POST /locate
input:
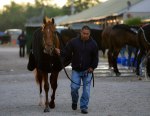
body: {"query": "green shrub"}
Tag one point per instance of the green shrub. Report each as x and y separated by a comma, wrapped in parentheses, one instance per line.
(133, 21)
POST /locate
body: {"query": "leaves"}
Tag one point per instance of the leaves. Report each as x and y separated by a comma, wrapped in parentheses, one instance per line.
(16, 15)
(133, 21)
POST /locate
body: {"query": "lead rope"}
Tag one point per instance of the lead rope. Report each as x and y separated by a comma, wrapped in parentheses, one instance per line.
(71, 79)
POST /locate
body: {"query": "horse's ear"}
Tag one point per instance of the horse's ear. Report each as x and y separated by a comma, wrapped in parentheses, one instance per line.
(44, 20)
(53, 21)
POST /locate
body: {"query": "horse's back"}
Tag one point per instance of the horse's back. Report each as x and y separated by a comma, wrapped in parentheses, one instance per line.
(123, 28)
(122, 35)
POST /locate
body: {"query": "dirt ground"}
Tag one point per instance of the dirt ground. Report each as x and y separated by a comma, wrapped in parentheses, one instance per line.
(111, 96)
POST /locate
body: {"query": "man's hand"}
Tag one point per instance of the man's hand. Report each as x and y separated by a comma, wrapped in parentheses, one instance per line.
(90, 70)
(57, 51)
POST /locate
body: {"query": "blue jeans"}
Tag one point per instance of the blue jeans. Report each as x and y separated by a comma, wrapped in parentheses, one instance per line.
(86, 80)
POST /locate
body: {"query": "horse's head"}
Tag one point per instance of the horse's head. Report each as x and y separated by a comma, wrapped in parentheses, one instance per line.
(50, 39)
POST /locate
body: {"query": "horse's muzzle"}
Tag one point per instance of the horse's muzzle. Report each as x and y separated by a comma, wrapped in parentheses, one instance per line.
(49, 50)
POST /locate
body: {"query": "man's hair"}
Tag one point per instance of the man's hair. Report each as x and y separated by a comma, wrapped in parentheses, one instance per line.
(86, 27)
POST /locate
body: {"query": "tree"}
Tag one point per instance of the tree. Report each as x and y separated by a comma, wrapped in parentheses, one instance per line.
(80, 5)
(133, 21)
(12, 17)
(16, 15)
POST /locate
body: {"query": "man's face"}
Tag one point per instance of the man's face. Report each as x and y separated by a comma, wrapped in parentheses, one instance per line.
(85, 34)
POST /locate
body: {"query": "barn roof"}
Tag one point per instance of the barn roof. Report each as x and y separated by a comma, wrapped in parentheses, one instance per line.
(143, 6)
(102, 10)
(38, 21)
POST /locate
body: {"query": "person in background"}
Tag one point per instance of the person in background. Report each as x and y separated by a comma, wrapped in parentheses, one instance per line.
(22, 43)
(122, 52)
(131, 50)
(145, 63)
(84, 53)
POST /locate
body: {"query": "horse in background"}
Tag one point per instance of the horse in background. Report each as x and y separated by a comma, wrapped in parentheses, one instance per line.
(43, 59)
(68, 34)
(144, 43)
(131, 50)
(116, 37)
(96, 35)
(105, 43)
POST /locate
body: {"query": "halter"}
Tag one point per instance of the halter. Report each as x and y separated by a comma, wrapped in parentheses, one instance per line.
(53, 46)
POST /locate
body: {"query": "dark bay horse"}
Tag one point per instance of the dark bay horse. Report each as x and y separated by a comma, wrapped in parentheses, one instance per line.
(44, 60)
(116, 37)
(144, 43)
(68, 34)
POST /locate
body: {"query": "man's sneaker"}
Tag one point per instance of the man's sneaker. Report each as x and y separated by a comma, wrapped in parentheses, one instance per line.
(74, 106)
(84, 111)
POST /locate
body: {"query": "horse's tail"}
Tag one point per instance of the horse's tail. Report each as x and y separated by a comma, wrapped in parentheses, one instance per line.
(38, 78)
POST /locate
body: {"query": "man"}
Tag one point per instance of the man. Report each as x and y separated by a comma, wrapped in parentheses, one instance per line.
(84, 53)
(22, 42)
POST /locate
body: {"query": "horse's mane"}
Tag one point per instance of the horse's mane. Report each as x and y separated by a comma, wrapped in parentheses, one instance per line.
(62, 43)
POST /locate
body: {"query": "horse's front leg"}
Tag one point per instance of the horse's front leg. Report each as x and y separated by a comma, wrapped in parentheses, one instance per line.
(46, 88)
(115, 56)
(53, 82)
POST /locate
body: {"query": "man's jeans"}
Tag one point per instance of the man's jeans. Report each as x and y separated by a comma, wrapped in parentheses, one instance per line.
(86, 82)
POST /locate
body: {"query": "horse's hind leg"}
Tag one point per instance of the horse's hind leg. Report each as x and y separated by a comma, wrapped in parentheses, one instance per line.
(53, 82)
(115, 56)
(110, 63)
(46, 88)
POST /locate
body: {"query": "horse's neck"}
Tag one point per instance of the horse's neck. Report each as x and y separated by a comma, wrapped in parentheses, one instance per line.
(57, 42)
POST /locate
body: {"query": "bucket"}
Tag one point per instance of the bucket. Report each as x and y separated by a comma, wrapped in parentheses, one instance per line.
(124, 61)
(119, 60)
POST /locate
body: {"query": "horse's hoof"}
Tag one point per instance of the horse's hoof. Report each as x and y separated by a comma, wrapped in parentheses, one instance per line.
(46, 110)
(118, 74)
(52, 105)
